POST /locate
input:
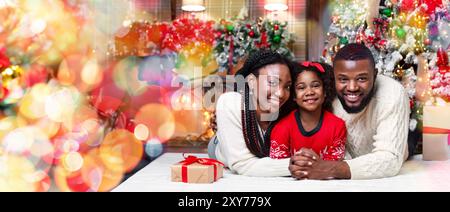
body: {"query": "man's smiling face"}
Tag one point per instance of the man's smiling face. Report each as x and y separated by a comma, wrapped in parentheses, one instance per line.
(354, 83)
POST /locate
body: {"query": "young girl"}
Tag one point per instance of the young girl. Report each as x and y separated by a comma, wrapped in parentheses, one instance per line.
(311, 126)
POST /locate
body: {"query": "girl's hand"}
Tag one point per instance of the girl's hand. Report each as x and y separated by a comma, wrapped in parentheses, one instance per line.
(309, 153)
(302, 162)
(306, 164)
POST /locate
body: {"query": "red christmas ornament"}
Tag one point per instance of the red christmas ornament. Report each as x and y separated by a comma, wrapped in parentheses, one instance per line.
(411, 104)
(442, 61)
(218, 34)
(4, 60)
(251, 34)
(442, 57)
(3, 93)
(432, 5)
(36, 74)
(381, 44)
(276, 27)
(444, 69)
(131, 125)
(408, 5)
(324, 53)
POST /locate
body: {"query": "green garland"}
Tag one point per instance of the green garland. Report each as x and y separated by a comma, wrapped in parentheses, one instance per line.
(279, 37)
(236, 39)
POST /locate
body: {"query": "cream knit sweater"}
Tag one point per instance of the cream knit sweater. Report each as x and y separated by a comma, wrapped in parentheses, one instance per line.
(377, 137)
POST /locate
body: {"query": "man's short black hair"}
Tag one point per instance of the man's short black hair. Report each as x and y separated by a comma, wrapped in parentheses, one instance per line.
(355, 52)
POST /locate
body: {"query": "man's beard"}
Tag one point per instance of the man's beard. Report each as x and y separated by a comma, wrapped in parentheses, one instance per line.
(361, 107)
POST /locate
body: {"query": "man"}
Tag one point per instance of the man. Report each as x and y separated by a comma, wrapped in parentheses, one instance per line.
(376, 112)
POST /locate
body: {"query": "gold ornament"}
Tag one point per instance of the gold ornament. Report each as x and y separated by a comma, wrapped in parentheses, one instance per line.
(398, 73)
(9, 74)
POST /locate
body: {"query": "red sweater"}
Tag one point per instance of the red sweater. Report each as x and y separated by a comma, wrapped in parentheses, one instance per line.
(327, 139)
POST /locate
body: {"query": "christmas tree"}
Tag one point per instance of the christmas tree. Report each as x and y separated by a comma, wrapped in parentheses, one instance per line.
(404, 37)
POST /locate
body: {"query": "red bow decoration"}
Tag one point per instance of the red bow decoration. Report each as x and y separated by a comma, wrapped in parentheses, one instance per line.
(376, 39)
(191, 160)
(317, 65)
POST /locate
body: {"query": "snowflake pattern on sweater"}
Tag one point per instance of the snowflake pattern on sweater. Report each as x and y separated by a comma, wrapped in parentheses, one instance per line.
(334, 152)
(327, 140)
(279, 151)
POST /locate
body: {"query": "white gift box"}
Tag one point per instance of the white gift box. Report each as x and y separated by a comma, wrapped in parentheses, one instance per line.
(436, 129)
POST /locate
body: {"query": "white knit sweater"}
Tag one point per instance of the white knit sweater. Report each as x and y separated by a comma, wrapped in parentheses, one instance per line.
(377, 137)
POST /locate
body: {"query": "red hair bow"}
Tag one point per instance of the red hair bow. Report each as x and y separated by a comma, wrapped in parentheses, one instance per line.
(317, 65)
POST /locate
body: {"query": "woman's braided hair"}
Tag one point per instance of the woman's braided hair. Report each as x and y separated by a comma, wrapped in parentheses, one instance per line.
(260, 146)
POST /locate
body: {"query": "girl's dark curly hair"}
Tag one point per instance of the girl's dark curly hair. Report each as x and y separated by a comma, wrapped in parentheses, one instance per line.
(327, 80)
(260, 146)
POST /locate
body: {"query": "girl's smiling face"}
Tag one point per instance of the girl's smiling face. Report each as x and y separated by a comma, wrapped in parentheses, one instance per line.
(309, 91)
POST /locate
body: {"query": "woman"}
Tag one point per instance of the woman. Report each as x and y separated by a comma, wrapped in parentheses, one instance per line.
(243, 118)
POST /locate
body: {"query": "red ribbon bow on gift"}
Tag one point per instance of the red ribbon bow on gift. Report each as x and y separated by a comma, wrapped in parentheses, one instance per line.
(317, 65)
(191, 160)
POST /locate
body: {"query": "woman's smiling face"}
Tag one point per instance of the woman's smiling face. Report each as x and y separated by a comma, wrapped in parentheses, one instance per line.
(272, 87)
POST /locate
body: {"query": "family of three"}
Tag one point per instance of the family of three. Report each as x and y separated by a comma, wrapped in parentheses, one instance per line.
(340, 122)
